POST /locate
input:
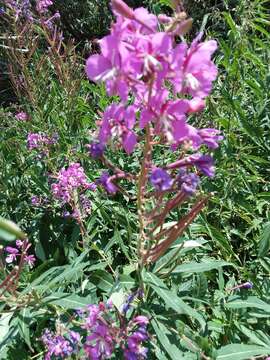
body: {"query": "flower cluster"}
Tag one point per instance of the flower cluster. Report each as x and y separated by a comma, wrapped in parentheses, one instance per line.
(21, 9)
(60, 346)
(69, 189)
(41, 141)
(24, 11)
(140, 63)
(20, 251)
(102, 335)
(43, 5)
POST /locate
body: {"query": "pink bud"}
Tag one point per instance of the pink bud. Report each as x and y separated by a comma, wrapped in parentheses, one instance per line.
(196, 105)
(164, 19)
(141, 320)
(123, 9)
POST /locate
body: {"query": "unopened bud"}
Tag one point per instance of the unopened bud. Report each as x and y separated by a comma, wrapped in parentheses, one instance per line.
(164, 19)
(123, 9)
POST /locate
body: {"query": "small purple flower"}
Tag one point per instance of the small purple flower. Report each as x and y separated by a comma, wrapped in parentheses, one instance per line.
(19, 244)
(188, 182)
(22, 116)
(161, 180)
(247, 285)
(204, 163)
(141, 320)
(36, 200)
(13, 253)
(105, 181)
(43, 5)
(96, 149)
(30, 260)
(74, 337)
(34, 141)
(56, 345)
(100, 344)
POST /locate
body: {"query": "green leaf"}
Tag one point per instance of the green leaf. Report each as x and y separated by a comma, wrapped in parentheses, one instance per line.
(251, 302)
(67, 301)
(9, 231)
(24, 320)
(194, 267)
(103, 280)
(241, 352)
(171, 299)
(161, 331)
(264, 245)
(4, 324)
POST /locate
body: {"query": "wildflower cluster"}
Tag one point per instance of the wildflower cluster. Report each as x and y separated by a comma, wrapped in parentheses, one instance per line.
(60, 346)
(19, 251)
(24, 11)
(41, 141)
(136, 59)
(159, 82)
(102, 333)
(70, 187)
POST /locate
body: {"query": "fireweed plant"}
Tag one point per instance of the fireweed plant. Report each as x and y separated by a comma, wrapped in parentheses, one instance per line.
(160, 81)
(103, 332)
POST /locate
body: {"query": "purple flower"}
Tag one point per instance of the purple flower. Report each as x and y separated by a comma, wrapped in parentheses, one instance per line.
(105, 181)
(43, 5)
(204, 163)
(188, 182)
(100, 344)
(69, 180)
(161, 180)
(74, 337)
(96, 150)
(36, 200)
(22, 116)
(197, 72)
(118, 122)
(247, 285)
(34, 141)
(30, 260)
(134, 349)
(13, 253)
(19, 244)
(56, 345)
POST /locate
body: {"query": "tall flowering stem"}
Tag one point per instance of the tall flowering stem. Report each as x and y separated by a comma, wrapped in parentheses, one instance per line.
(159, 82)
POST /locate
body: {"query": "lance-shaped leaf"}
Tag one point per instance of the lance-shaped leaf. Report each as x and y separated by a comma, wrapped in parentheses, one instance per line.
(9, 231)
